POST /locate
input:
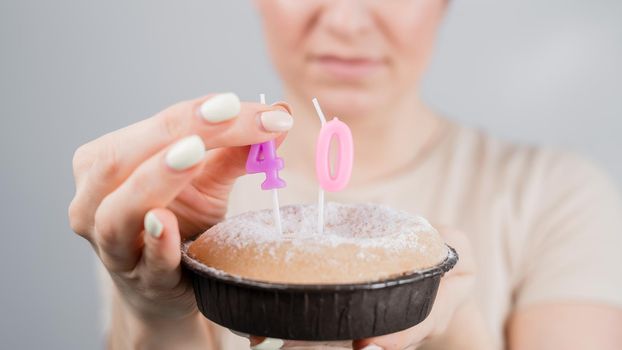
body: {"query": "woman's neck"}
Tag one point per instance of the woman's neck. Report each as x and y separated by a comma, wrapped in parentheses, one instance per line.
(384, 142)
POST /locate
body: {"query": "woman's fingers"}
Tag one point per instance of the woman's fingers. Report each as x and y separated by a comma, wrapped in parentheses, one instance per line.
(263, 343)
(214, 188)
(231, 164)
(155, 286)
(454, 290)
(161, 254)
(457, 284)
(461, 243)
(220, 120)
(397, 341)
(155, 183)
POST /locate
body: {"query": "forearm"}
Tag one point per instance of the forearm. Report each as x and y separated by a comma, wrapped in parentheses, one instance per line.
(467, 330)
(128, 331)
(565, 326)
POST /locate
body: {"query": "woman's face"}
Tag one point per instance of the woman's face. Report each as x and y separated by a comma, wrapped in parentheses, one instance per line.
(354, 55)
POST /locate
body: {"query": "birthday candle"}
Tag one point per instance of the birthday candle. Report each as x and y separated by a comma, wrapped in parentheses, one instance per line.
(343, 165)
(262, 158)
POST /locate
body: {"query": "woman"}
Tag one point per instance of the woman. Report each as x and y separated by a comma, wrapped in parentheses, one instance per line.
(539, 266)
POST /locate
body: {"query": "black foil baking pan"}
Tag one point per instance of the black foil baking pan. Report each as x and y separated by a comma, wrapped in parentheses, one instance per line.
(316, 312)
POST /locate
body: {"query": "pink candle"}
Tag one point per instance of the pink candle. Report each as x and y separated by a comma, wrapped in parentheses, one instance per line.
(262, 158)
(343, 165)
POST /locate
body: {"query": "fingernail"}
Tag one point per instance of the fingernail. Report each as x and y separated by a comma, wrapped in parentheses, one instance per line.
(220, 108)
(372, 347)
(239, 334)
(153, 226)
(276, 121)
(186, 153)
(283, 105)
(269, 344)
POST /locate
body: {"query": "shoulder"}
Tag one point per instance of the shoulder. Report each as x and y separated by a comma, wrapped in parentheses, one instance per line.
(530, 183)
(523, 164)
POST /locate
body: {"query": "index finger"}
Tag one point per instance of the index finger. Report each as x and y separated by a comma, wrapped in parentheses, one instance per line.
(221, 120)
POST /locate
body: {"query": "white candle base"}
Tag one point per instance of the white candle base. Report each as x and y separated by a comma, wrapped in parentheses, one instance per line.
(320, 211)
(277, 211)
(320, 202)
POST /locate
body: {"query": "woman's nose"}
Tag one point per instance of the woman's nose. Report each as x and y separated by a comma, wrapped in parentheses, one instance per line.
(347, 18)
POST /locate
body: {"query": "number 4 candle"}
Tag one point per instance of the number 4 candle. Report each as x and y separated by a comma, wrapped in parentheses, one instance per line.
(262, 158)
(343, 166)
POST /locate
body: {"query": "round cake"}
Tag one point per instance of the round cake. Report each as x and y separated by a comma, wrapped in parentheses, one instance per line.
(360, 243)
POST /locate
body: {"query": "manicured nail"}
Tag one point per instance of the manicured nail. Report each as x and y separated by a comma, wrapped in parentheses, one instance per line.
(220, 108)
(240, 334)
(276, 121)
(153, 226)
(269, 344)
(372, 347)
(186, 153)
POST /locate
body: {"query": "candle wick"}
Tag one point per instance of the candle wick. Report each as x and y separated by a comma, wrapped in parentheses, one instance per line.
(319, 112)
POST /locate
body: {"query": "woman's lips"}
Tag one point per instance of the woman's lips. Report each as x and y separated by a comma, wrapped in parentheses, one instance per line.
(348, 68)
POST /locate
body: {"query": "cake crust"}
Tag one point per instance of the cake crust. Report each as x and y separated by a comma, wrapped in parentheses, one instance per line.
(360, 243)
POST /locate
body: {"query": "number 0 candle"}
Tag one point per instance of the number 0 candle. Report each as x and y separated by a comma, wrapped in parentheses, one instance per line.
(343, 165)
(337, 180)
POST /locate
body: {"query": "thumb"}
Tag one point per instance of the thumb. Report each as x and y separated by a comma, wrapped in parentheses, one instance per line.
(231, 161)
(161, 254)
(406, 339)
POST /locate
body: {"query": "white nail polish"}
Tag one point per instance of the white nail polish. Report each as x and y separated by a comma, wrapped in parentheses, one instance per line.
(269, 344)
(153, 226)
(240, 334)
(276, 121)
(186, 153)
(372, 347)
(221, 107)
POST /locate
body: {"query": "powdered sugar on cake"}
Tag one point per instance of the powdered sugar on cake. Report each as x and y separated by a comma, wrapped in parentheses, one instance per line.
(360, 242)
(365, 225)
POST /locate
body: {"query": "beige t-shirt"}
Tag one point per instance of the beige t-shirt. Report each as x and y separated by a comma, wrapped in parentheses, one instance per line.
(545, 226)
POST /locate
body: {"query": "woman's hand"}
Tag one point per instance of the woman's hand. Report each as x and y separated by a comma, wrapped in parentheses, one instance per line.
(142, 189)
(452, 304)
(454, 292)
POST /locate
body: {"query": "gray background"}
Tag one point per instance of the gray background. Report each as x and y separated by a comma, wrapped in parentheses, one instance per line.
(530, 70)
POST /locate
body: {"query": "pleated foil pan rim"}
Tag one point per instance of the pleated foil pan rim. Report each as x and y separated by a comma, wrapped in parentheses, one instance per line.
(206, 271)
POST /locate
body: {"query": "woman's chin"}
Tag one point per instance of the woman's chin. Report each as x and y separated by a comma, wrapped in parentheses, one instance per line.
(347, 104)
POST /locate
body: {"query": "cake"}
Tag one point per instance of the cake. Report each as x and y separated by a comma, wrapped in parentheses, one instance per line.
(360, 243)
(372, 271)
